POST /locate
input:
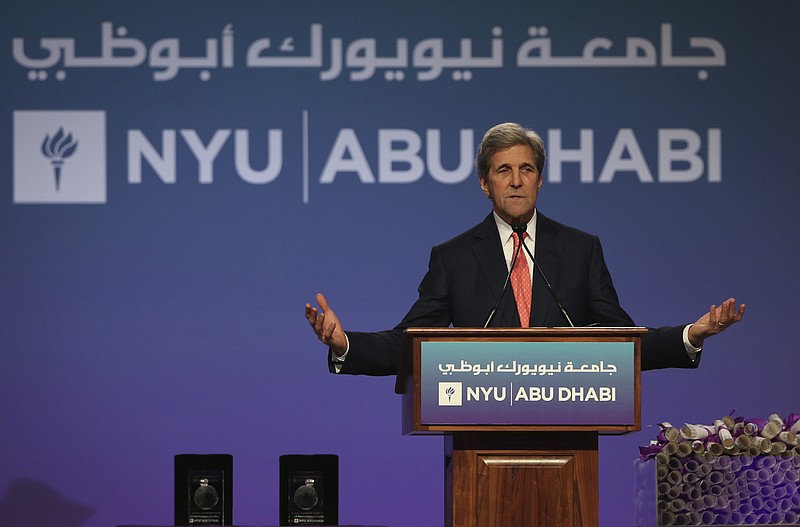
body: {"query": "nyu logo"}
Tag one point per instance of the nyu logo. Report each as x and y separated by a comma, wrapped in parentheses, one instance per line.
(57, 149)
(49, 165)
(450, 394)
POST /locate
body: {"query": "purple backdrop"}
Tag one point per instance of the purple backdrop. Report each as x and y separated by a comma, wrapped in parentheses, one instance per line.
(152, 303)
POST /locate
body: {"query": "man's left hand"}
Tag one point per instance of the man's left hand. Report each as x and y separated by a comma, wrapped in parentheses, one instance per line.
(717, 320)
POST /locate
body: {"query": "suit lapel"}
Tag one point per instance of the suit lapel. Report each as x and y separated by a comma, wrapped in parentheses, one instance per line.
(488, 253)
(549, 252)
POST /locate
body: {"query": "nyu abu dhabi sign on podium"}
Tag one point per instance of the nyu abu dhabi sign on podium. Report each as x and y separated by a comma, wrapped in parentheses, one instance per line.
(527, 383)
(539, 378)
(521, 410)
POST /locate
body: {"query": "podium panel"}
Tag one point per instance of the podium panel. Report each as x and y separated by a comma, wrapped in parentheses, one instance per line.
(512, 479)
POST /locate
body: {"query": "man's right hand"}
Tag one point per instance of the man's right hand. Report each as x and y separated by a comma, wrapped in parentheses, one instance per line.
(326, 325)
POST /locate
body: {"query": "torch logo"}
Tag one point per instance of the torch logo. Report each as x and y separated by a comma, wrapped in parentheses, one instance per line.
(450, 394)
(59, 156)
(57, 149)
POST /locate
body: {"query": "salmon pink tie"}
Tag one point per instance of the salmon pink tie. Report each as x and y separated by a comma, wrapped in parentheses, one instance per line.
(521, 282)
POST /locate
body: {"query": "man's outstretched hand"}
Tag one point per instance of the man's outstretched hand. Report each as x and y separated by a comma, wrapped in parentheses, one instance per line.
(326, 325)
(717, 320)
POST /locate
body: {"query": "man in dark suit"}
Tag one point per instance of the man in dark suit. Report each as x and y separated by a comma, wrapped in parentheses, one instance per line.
(466, 275)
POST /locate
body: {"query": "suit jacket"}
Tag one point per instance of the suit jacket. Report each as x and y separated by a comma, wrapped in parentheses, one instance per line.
(464, 281)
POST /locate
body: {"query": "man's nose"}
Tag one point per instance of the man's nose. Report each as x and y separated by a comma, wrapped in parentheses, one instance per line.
(516, 178)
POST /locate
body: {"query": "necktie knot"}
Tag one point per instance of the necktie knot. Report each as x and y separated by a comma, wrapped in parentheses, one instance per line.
(515, 235)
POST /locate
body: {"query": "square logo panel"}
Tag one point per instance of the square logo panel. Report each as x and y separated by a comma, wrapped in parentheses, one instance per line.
(450, 394)
(59, 156)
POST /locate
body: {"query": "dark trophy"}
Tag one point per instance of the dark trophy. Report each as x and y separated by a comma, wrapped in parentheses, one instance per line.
(309, 490)
(203, 489)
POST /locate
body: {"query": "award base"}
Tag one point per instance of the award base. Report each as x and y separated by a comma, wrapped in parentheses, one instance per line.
(203, 489)
(309, 492)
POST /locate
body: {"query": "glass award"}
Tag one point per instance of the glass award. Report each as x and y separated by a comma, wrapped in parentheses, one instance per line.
(203, 489)
(309, 490)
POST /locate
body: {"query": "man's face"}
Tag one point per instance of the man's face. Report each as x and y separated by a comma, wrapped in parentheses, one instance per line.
(513, 184)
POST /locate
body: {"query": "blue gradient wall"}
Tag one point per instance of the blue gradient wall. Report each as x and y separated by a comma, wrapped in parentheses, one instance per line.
(166, 316)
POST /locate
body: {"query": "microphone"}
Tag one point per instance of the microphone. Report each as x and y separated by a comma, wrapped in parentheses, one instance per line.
(493, 312)
(520, 229)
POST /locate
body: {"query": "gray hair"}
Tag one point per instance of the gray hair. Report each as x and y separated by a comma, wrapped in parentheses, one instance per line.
(506, 135)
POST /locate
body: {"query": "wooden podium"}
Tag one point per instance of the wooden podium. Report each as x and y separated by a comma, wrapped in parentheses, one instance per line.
(521, 411)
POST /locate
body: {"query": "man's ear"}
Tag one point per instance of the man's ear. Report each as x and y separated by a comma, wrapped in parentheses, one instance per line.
(484, 187)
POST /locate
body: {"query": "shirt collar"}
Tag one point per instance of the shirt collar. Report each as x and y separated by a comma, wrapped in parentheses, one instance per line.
(506, 231)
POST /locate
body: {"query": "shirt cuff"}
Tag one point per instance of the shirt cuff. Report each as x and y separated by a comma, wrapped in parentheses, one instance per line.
(691, 351)
(339, 360)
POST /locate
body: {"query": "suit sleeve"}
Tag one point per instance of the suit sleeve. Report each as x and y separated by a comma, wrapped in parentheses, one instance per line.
(378, 353)
(664, 348)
